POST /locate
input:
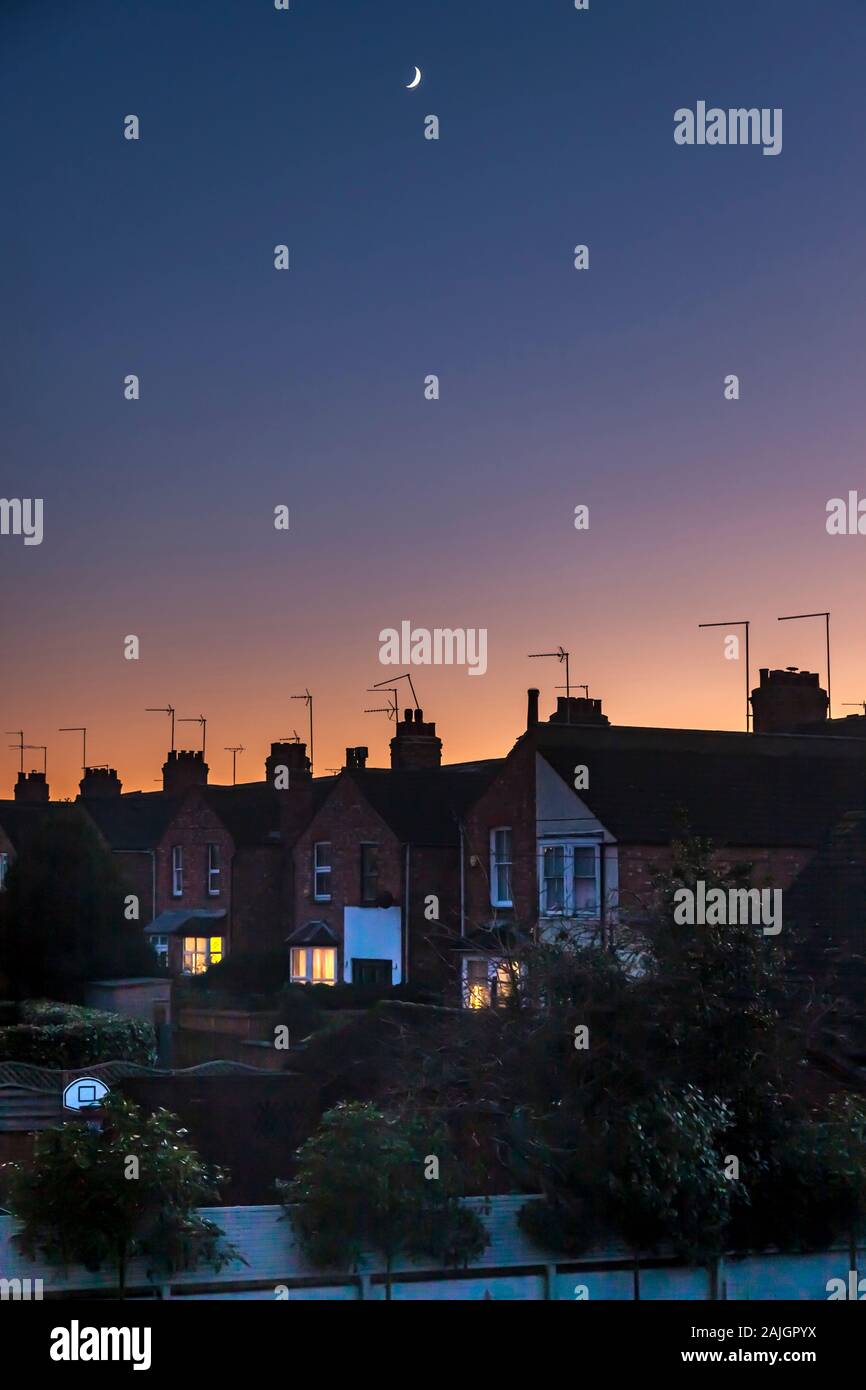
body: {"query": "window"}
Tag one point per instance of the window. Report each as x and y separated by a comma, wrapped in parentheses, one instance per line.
(160, 946)
(369, 873)
(200, 952)
(487, 982)
(500, 867)
(314, 965)
(322, 871)
(177, 871)
(4, 869)
(569, 880)
(213, 870)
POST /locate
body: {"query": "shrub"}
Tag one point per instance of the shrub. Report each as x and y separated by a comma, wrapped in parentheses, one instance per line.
(68, 1035)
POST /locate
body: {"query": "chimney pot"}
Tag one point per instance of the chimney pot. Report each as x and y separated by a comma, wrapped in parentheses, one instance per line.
(531, 707)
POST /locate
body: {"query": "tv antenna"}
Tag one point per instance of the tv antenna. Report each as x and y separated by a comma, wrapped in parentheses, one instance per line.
(404, 677)
(389, 709)
(234, 749)
(82, 730)
(746, 623)
(795, 617)
(561, 655)
(197, 719)
(163, 709)
(578, 686)
(41, 748)
(20, 745)
(308, 701)
(846, 704)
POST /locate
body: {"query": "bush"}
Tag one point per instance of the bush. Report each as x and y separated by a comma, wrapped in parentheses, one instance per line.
(243, 973)
(347, 996)
(65, 1036)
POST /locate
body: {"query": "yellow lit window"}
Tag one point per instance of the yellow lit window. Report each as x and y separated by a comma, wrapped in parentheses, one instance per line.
(315, 965)
(477, 985)
(199, 952)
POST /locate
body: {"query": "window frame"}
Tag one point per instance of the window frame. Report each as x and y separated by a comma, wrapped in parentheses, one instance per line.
(569, 845)
(369, 900)
(177, 871)
(209, 954)
(4, 870)
(319, 869)
(493, 975)
(496, 863)
(308, 976)
(214, 870)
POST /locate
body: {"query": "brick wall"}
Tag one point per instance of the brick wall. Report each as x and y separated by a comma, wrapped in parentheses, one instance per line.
(346, 820)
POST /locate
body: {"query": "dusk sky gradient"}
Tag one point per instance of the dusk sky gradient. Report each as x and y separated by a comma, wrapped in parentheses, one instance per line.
(411, 257)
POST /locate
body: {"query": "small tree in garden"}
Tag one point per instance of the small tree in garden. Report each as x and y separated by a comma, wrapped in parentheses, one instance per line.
(129, 1186)
(371, 1181)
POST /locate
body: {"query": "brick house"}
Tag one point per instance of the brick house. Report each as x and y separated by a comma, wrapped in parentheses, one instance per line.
(581, 814)
(377, 869)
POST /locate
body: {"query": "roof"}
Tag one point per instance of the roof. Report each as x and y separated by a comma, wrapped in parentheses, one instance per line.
(424, 806)
(21, 819)
(173, 921)
(646, 785)
(133, 820)
(313, 934)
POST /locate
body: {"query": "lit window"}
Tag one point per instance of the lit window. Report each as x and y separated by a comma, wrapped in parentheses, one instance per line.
(322, 871)
(477, 984)
(177, 871)
(314, 965)
(569, 880)
(488, 982)
(200, 952)
(500, 867)
(4, 869)
(369, 873)
(213, 870)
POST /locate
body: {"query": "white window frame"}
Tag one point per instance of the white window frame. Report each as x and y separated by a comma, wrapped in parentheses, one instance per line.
(213, 870)
(304, 956)
(160, 947)
(4, 869)
(496, 863)
(207, 955)
(568, 845)
(177, 871)
(497, 967)
(321, 869)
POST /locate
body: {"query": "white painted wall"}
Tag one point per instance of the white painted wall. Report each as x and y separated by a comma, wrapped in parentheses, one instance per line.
(372, 933)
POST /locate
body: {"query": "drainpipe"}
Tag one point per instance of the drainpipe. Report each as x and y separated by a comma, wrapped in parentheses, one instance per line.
(405, 932)
(462, 880)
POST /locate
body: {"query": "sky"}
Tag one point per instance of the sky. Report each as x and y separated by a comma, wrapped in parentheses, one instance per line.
(408, 257)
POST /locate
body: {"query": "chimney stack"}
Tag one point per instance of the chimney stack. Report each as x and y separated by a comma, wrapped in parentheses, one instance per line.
(576, 709)
(356, 757)
(31, 786)
(183, 769)
(531, 707)
(293, 758)
(99, 782)
(415, 744)
(784, 700)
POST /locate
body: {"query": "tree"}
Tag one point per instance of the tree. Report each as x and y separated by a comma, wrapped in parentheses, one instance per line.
(365, 1181)
(99, 1194)
(63, 913)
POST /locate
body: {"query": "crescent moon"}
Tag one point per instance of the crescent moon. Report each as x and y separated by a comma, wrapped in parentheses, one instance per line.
(415, 80)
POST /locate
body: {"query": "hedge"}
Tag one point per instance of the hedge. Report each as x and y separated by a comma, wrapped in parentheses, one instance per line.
(62, 1036)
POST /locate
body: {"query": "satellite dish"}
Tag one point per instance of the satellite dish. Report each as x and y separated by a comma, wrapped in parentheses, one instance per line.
(84, 1093)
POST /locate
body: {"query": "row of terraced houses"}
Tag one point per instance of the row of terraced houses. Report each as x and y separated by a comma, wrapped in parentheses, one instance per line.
(431, 874)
